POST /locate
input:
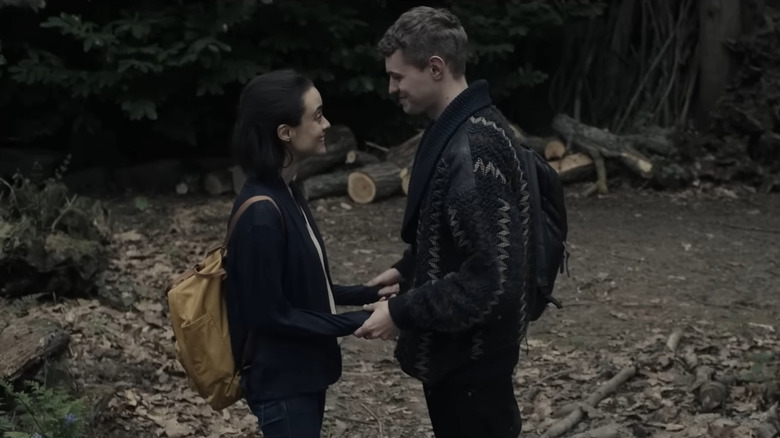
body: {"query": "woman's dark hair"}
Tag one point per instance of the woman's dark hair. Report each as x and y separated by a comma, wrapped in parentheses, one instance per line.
(267, 101)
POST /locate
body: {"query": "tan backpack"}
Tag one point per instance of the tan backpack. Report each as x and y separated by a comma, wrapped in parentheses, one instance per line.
(200, 324)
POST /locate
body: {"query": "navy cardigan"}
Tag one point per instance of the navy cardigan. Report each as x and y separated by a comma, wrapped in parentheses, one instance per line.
(276, 289)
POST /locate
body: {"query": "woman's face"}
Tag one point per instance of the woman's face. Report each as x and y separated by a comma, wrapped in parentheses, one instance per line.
(308, 138)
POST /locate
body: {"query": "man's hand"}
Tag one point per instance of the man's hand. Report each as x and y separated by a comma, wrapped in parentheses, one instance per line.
(379, 325)
(389, 279)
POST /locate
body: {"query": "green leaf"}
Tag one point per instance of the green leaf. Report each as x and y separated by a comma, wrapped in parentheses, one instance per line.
(140, 109)
(16, 435)
(141, 203)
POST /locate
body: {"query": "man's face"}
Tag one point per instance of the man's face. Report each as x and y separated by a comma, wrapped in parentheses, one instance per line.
(416, 89)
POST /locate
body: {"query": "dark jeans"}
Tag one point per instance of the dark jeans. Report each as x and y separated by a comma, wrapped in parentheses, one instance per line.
(476, 403)
(299, 416)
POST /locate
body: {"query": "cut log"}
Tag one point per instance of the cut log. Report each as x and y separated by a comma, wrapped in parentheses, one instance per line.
(574, 167)
(406, 176)
(338, 141)
(360, 158)
(320, 164)
(239, 178)
(599, 143)
(403, 154)
(27, 343)
(325, 185)
(554, 150)
(218, 182)
(373, 182)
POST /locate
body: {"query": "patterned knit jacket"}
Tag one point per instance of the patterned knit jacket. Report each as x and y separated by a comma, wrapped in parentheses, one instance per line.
(468, 223)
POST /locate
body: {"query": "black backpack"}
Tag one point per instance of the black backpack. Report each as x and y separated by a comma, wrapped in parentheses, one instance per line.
(549, 226)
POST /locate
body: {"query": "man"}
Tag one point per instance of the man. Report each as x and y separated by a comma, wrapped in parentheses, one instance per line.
(461, 312)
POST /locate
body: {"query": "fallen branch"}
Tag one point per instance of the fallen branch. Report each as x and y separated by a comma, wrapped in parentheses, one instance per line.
(27, 343)
(608, 431)
(674, 340)
(576, 415)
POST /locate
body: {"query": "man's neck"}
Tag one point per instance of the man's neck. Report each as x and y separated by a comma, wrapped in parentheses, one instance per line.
(451, 91)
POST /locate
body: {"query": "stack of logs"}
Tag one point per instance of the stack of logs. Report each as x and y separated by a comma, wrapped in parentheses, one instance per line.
(576, 151)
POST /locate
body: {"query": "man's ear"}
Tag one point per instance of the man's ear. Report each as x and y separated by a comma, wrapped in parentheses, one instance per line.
(284, 133)
(437, 66)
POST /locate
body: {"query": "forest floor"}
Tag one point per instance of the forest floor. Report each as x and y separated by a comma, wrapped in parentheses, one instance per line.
(644, 265)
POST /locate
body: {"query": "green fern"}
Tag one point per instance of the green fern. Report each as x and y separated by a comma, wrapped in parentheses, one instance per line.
(41, 411)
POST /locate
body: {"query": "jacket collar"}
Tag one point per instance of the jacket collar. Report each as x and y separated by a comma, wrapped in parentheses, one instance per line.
(432, 144)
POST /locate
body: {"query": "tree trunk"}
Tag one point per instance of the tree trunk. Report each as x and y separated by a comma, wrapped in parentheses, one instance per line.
(26, 343)
(719, 21)
(374, 182)
(325, 185)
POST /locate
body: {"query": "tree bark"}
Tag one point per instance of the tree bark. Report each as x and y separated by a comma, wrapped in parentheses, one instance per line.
(574, 167)
(599, 143)
(403, 154)
(719, 21)
(339, 140)
(360, 158)
(325, 185)
(374, 182)
(26, 343)
(318, 164)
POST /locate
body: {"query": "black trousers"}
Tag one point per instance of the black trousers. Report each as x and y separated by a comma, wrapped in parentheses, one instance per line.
(476, 402)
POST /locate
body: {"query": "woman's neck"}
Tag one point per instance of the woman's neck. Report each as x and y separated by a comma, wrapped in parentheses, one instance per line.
(289, 171)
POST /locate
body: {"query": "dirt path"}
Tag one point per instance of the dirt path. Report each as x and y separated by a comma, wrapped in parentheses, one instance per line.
(643, 264)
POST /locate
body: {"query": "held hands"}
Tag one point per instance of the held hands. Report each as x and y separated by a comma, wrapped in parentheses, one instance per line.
(379, 325)
(389, 279)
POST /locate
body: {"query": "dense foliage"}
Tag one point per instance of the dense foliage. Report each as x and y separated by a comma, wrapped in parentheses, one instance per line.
(110, 82)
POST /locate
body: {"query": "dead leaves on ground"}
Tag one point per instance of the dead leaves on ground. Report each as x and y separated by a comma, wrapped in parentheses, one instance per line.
(664, 399)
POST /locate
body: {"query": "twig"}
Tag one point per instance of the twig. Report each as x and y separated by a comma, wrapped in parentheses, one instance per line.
(644, 80)
(674, 340)
(608, 431)
(746, 228)
(576, 415)
(378, 420)
(351, 419)
(377, 147)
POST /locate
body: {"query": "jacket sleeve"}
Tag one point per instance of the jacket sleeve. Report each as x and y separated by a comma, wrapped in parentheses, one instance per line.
(406, 265)
(259, 285)
(488, 231)
(356, 295)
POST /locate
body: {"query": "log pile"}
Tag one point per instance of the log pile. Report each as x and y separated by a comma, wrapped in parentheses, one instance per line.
(576, 151)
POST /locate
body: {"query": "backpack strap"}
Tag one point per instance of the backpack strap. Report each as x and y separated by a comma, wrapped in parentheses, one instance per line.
(242, 209)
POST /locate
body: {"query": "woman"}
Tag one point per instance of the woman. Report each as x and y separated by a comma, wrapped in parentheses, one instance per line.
(281, 302)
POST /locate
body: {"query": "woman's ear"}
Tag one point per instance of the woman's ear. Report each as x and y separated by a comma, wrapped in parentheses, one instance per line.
(284, 133)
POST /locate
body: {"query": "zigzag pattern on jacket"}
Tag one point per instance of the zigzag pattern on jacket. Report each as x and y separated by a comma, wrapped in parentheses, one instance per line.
(468, 293)
(526, 222)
